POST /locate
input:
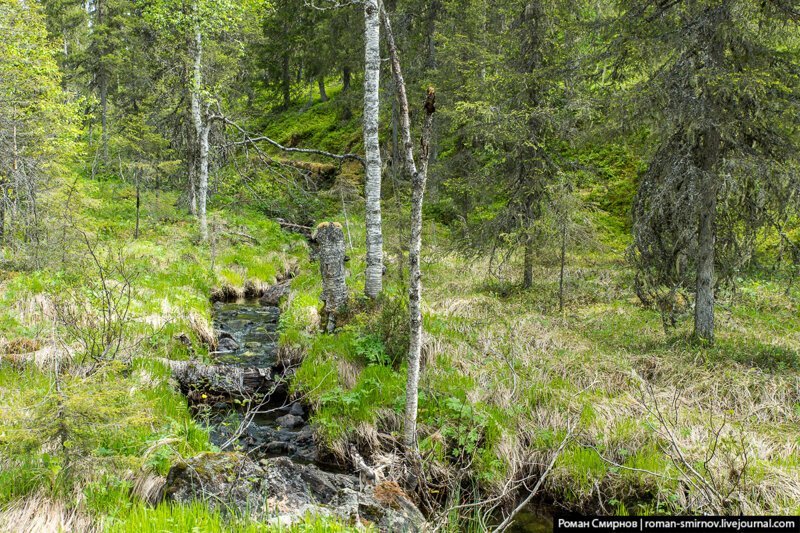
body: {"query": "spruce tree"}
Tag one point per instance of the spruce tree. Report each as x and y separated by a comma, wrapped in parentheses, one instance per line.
(717, 80)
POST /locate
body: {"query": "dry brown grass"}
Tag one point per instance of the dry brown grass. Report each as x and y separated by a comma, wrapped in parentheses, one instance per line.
(203, 329)
(389, 493)
(148, 487)
(583, 368)
(40, 514)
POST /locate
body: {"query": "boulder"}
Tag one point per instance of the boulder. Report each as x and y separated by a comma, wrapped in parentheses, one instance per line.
(227, 344)
(231, 478)
(272, 295)
(282, 492)
(289, 421)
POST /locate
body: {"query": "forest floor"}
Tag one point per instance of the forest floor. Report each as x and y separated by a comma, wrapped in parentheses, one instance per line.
(657, 422)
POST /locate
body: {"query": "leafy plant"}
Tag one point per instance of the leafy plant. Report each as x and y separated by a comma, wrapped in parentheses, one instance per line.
(371, 349)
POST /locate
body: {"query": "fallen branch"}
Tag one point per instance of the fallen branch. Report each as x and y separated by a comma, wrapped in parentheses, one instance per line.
(298, 228)
(251, 140)
(510, 518)
(243, 236)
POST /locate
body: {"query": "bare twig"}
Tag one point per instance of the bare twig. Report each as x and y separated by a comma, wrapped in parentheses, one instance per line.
(510, 518)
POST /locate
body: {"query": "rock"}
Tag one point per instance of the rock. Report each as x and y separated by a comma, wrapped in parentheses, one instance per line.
(227, 344)
(272, 296)
(289, 421)
(226, 478)
(309, 489)
(277, 447)
(297, 409)
(284, 492)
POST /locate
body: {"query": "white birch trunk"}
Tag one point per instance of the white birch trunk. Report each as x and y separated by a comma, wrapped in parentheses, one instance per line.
(202, 182)
(200, 129)
(419, 178)
(373, 283)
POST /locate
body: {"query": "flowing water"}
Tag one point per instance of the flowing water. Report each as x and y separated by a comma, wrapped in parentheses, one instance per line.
(248, 335)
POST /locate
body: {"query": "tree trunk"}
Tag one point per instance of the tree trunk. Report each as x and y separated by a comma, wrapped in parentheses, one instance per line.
(373, 283)
(345, 78)
(104, 115)
(138, 205)
(286, 81)
(430, 33)
(418, 179)
(561, 274)
(2, 215)
(202, 182)
(201, 131)
(323, 96)
(330, 239)
(527, 278)
(706, 241)
(102, 81)
(192, 186)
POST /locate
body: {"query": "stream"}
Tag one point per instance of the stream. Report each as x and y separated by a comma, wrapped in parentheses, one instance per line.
(247, 333)
(271, 447)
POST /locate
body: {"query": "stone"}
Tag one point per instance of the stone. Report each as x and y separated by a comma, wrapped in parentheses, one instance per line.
(227, 344)
(233, 480)
(289, 421)
(297, 409)
(272, 296)
(230, 478)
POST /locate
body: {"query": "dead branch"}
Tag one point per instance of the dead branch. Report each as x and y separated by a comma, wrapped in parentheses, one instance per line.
(510, 518)
(249, 139)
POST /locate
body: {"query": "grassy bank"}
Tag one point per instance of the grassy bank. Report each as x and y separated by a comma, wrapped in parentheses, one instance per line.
(655, 418)
(87, 436)
(659, 422)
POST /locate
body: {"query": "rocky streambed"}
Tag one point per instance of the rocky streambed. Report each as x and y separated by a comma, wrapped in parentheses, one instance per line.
(270, 466)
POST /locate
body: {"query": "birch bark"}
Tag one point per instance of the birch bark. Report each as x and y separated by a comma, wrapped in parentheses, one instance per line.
(419, 178)
(201, 129)
(373, 283)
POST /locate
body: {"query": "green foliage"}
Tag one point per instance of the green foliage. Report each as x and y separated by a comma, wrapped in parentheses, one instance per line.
(198, 516)
(371, 349)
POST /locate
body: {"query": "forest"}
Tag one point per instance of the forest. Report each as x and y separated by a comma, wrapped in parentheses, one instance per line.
(397, 265)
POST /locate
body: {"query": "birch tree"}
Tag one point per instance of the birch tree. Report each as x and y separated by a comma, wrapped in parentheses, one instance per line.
(419, 176)
(373, 283)
(199, 121)
(192, 26)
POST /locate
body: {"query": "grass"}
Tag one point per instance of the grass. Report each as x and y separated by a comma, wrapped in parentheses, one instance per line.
(80, 441)
(504, 363)
(504, 373)
(199, 517)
